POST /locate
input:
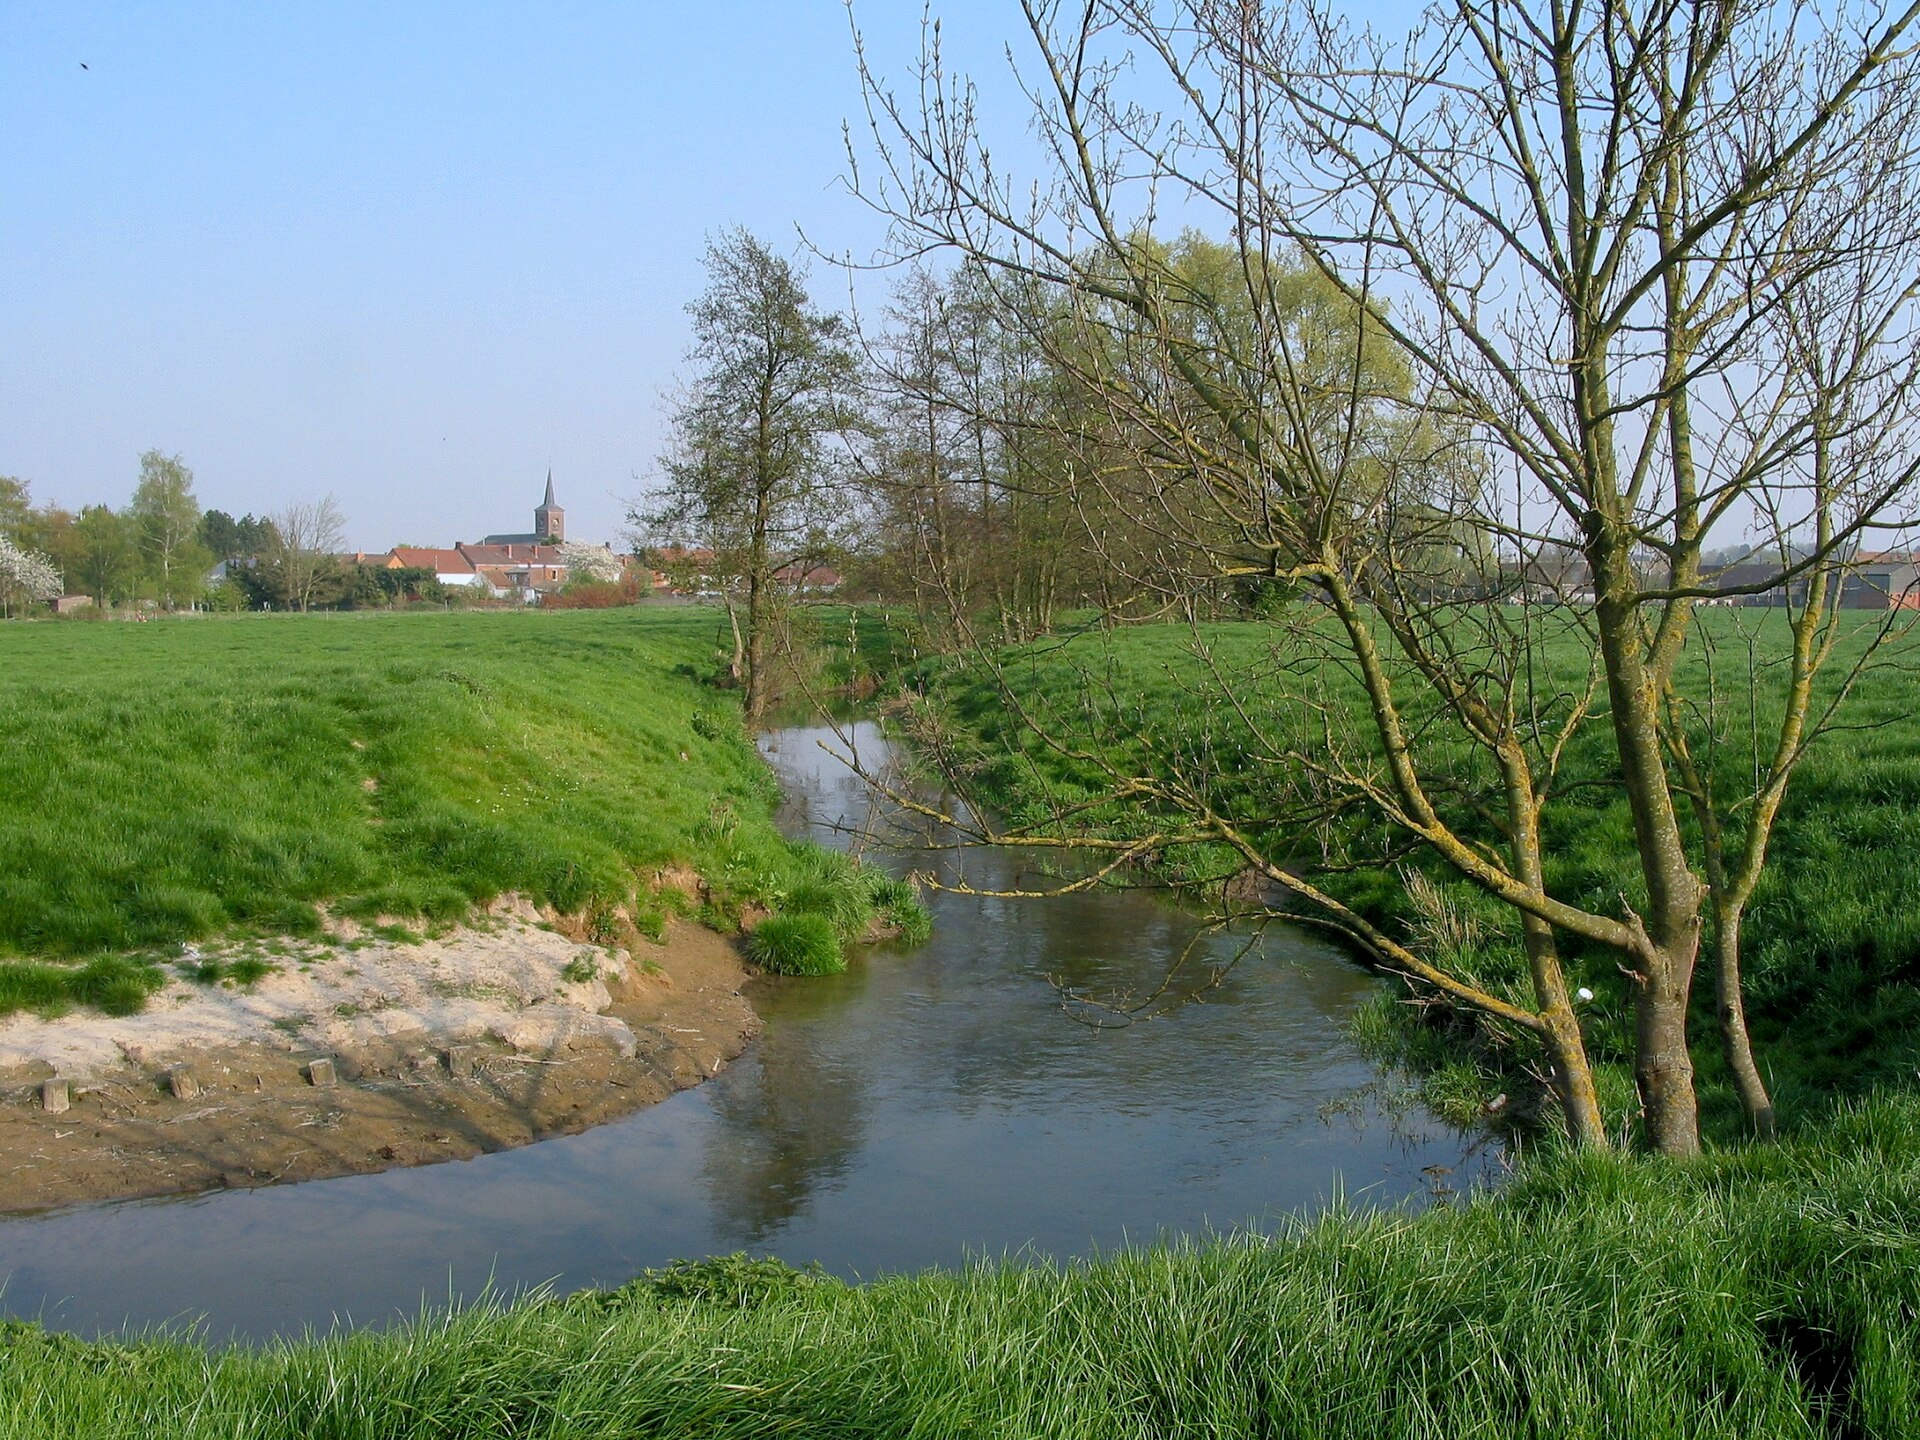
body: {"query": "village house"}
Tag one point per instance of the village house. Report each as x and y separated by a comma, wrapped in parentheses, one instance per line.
(1882, 580)
(807, 577)
(689, 570)
(449, 567)
(524, 570)
(523, 567)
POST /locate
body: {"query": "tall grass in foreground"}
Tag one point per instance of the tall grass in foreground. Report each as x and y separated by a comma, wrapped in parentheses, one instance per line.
(1765, 1292)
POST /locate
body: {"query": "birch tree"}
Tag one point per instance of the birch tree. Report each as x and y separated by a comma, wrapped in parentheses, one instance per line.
(168, 516)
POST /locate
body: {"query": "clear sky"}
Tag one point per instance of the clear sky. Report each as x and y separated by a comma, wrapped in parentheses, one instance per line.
(408, 254)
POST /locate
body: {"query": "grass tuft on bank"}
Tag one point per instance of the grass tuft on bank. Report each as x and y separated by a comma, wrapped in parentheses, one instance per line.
(1752, 1293)
(796, 945)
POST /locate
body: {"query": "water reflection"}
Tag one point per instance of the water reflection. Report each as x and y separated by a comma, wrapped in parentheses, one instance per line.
(926, 1106)
(797, 1128)
(959, 1070)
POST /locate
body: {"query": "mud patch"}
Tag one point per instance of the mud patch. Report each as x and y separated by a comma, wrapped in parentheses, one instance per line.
(486, 1038)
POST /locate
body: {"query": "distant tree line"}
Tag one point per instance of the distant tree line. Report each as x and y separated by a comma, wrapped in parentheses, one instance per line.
(974, 456)
(162, 549)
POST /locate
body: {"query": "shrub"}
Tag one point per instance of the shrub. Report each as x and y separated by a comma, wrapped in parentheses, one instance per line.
(589, 595)
(113, 984)
(735, 1282)
(796, 945)
(899, 905)
(842, 903)
(830, 884)
(851, 896)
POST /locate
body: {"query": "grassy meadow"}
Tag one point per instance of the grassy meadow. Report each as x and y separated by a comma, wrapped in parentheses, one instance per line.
(194, 778)
(174, 781)
(1832, 937)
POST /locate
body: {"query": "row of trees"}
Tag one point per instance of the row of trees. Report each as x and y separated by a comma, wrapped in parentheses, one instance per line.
(918, 457)
(162, 546)
(960, 456)
(1535, 292)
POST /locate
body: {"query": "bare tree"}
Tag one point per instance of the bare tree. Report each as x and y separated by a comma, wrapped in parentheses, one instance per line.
(967, 421)
(746, 477)
(305, 540)
(1649, 268)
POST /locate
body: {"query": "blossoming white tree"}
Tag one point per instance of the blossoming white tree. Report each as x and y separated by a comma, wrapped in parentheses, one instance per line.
(25, 576)
(593, 562)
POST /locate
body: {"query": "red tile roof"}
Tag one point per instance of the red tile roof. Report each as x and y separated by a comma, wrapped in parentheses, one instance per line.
(511, 554)
(441, 562)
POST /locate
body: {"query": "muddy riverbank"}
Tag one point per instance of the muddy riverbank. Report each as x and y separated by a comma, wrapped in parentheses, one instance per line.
(482, 1039)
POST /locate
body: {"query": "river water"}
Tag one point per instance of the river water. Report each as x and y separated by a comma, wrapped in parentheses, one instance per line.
(928, 1106)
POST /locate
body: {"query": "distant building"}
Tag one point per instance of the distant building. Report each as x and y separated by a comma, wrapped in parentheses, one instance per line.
(233, 565)
(1882, 580)
(1872, 580)
(1553, 577)
(506, 567)
(523, 570)
(549, 524)
(808, 577)
(449, 567)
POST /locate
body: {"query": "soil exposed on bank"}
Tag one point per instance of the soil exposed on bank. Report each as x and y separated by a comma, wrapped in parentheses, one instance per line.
(487, 1037)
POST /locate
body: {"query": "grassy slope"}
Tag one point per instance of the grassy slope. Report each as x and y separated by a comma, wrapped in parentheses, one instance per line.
(1832, 938)
(168, 781)
(1767, 1292)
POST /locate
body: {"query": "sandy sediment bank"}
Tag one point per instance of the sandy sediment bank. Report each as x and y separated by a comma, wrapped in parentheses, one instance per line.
(486, 1037)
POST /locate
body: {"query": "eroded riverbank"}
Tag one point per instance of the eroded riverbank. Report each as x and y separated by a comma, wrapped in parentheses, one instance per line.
(483, 1039)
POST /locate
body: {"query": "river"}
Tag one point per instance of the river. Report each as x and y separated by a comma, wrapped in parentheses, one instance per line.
(928, 1106)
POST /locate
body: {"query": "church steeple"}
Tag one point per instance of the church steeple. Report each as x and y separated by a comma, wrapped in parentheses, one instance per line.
(549, 520)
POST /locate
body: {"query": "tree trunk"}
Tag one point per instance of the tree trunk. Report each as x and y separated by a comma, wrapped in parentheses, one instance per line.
(756, 696)
(736, 667)
(1572, 1076)
(1730, 1010)
(1573, 1081)
(1662, 1067)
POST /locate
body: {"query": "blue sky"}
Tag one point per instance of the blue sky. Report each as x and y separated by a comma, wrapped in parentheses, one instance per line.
(408, 254)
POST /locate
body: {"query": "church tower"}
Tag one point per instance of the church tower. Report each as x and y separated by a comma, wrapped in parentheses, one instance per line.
(549, 520)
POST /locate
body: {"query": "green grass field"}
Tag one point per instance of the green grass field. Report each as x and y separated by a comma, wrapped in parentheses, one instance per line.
(173, 781)
(1832, 937)
(190, 778)
(1758, 1293)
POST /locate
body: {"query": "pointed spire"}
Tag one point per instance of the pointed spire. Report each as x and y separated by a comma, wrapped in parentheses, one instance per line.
(548, 502)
